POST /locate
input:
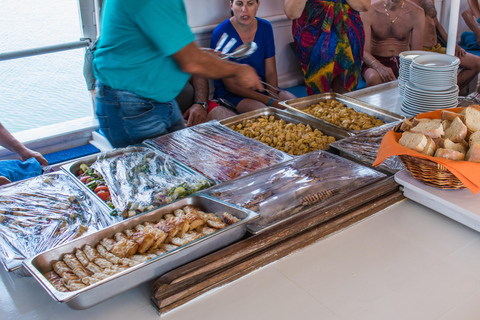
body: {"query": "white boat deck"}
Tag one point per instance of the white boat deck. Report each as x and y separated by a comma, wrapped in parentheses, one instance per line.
(405, 262)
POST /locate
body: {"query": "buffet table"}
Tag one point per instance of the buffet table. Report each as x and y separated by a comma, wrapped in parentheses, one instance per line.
(405, 262)
(402, 261)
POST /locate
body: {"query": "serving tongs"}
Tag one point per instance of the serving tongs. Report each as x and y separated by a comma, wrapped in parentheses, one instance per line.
(242, 52)
(274, 94)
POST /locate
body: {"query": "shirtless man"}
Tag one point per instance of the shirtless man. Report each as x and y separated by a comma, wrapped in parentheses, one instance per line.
(469, 63)
(391, 27)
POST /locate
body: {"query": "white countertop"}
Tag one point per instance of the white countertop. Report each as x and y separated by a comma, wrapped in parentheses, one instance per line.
(405, 262)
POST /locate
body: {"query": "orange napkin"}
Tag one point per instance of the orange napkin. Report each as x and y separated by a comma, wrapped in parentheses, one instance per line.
(466, 171)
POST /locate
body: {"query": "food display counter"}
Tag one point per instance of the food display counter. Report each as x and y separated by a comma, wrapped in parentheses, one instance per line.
(396, 263)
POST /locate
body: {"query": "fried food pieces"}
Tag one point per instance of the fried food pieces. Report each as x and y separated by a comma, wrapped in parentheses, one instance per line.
(131, 247)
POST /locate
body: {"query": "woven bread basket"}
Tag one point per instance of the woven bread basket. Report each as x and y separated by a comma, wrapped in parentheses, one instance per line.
(429, 172)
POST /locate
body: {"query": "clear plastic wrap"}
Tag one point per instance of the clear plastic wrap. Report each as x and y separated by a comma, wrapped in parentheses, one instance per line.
(309, 181)
(140, 179)
(218, 152)
(43, 212)
(364, 148)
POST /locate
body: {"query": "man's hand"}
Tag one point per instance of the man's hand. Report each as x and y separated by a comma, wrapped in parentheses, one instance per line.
(386, 74)
(247, 78)
(27, 154)
(4, 180)
(196, 114)
(459, 52)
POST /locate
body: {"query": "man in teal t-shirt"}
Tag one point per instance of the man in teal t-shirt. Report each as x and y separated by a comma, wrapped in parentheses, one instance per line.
(144, 57)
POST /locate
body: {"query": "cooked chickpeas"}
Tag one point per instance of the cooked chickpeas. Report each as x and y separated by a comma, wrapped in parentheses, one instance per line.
(294, 139)
(337, 113)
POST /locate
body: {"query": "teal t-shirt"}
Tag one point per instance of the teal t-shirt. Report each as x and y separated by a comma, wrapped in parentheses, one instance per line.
(136, 45)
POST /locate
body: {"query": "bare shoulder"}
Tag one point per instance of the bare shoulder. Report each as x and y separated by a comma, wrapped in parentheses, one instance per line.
(415, 9)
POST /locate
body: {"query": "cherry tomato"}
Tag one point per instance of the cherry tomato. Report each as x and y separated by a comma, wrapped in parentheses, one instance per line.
(85, 179)
(100, 188)
(104, 195)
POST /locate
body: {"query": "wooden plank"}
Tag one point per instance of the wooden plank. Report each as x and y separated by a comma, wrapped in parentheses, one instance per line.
(169, 296)
(240, 250)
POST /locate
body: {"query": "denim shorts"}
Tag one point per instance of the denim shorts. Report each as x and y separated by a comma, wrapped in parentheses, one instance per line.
(127, 118)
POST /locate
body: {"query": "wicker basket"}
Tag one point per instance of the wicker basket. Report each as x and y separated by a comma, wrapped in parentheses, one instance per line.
(429, 172)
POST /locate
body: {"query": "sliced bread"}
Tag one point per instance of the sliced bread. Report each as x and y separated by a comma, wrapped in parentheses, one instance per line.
(472, 118)
(414, 141)
(456, 131)
(407, 124)
(473, 153)
(430, 147)
(449, 154)
(433, 129)
(474, 137)
(449, 144)
(449, 115)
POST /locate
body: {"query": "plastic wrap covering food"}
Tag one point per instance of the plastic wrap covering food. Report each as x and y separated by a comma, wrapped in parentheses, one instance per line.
(218, 152)
(42, 212)
(364, 147)
(140, 179)
(309, 181)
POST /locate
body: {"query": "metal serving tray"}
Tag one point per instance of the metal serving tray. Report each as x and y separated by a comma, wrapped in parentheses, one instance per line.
(15, 264)
(325, 127)
(297, 106)
(153, 268)
(73, 167)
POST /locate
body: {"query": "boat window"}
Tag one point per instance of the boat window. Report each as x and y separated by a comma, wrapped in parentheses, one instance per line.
(44, 89)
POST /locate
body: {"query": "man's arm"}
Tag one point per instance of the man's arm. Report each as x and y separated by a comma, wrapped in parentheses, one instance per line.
(459, 52)
(294, 8)
(8, 141)
(196, 114)
(418, 21)
(204, 64)
(270, 77)
(473, 5)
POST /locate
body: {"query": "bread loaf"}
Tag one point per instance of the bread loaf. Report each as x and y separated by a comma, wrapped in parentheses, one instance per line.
(449, 115)
(413, 140)
(472, 118)
(456, 131)
(433, 129)
(473, 153)
(474, 137)
(430, 147)
(449, 144)
(449, 154)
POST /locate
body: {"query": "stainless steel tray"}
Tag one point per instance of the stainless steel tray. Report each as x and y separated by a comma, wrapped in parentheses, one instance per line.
(297, 106)
(73, 167)
(326, 128)
(15, 264)
(131, 277)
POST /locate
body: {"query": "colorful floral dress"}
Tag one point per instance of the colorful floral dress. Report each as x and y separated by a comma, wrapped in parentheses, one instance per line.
(329, 39)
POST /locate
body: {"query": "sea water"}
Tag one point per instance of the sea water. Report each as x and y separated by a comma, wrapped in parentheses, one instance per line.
(45, 89)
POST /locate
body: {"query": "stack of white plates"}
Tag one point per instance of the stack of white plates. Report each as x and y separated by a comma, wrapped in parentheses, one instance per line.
(432, 85)
(417, 100)
(406, 58)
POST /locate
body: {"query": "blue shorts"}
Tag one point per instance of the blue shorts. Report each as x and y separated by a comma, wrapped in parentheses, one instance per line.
(16, 170)
(127, 119)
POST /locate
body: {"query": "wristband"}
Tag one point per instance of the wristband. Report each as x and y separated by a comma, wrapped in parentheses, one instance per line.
(270, 102)
(478, 20)
(371, 63)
